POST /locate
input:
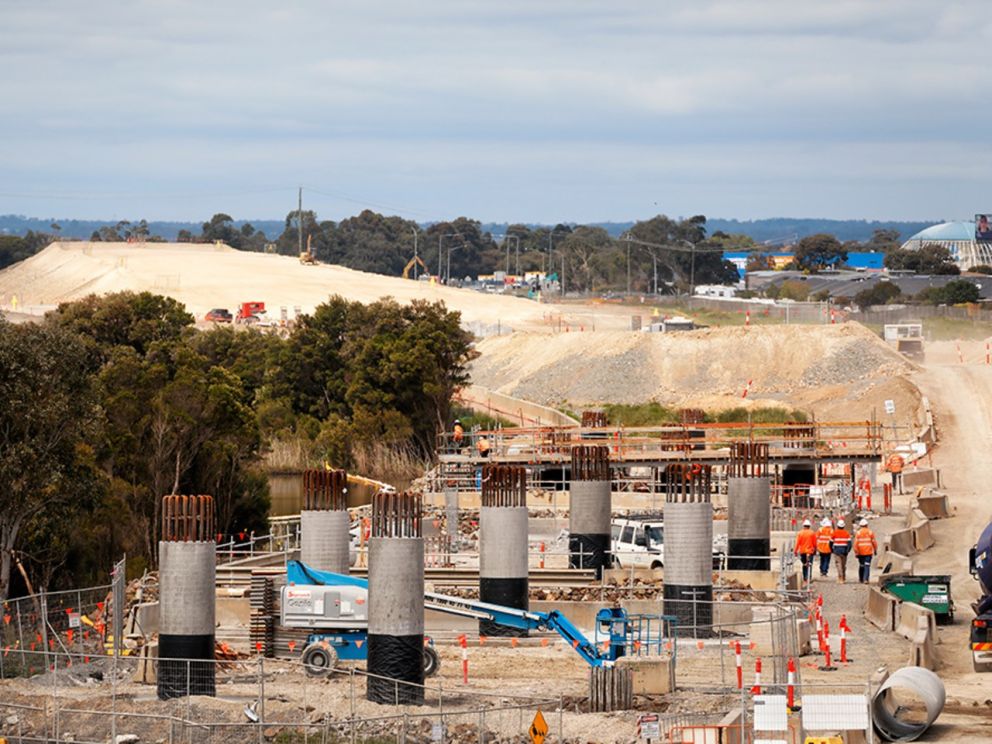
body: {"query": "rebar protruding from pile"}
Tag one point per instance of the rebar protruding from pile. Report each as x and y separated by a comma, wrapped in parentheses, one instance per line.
(687, 483)
(593, 419)
(692, 415)
(590, 462)
(798, 435)
(397, 514)
(325, 490)
(748, 460)
(188, 518)
(504, 485)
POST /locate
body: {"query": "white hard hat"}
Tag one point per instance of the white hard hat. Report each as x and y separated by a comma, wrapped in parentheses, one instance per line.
(840, 522)
(806, 523)
(825, 522)
(864, 522)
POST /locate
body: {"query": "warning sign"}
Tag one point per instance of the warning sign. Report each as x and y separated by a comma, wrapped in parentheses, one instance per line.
(649, 727)
(538, 729)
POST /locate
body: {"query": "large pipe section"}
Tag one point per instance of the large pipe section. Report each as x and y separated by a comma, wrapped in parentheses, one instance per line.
(396, 600)
(324, 537)
(187, 597)
(750, 511)
(503, 570)
(894, 717)
(589, 508)
(688, 584)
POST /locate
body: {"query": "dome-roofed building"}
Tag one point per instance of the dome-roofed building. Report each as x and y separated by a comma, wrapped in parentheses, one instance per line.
(959, 239)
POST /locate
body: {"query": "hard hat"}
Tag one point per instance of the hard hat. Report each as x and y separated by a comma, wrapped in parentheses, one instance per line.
(457, 422)
(807, 523)
(825, 522)
(864, 522)
(840, 522)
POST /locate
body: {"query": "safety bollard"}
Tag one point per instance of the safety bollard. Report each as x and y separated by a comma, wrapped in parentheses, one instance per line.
(827, 665)
(463, 641)
(843, 639)
(542, 555)
(790, 689)
(740, 668)
(756, 690)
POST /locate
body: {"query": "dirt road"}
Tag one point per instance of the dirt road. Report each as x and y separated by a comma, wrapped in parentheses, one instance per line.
(961, 396)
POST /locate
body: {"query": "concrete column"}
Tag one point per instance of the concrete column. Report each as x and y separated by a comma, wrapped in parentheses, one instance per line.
(396, 601)
(187, 598)
(590, 509)
(688, 584)
(749, 524)
(324, 540)
(324, 523)
(503, 532)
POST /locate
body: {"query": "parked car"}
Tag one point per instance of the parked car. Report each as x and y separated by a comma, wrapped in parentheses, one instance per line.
(219, 315)
(640, 542)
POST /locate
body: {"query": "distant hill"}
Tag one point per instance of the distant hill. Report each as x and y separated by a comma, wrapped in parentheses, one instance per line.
(773, 230)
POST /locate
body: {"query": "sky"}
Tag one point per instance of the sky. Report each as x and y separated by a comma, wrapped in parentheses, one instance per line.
(530, 111)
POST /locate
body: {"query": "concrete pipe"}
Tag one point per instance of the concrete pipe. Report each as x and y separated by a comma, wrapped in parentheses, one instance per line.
(187, 608)
(915, 684)
(325, 540)
(396, 620)
(503, 573)
(748, 524)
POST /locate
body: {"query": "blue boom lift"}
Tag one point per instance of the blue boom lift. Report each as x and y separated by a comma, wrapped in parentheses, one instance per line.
(334, 607)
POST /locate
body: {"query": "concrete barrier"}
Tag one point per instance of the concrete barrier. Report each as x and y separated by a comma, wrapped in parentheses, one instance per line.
(902, 541)
(880, 609)
(922, 536)
(920, 477)
(889, 563)
(923, 652)
(911, 617)
(915, 517)
(934, 505)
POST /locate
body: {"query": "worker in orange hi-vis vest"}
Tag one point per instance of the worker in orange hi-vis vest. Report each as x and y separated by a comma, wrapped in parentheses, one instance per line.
(895, 464)
(841, 540)
(806, 548)
(864, 547)
(824, 538)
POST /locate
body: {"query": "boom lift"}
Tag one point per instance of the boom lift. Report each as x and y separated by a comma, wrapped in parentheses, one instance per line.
(334, 607)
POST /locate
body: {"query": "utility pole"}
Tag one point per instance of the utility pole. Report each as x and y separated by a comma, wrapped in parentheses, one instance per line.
(628, 264)
(299, 220)
(414, 229)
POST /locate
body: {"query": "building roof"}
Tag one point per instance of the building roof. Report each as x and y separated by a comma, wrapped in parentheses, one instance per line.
(945, 231)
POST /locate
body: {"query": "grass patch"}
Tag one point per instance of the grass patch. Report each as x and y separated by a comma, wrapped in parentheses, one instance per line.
(655, 414)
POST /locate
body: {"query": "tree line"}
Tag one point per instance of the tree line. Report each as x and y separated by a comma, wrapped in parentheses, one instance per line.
(112, 402)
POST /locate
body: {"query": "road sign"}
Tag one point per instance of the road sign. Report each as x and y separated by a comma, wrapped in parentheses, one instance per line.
(538, 729)
(890, 407)
(649, 727)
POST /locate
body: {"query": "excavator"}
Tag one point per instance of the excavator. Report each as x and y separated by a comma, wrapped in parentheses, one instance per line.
(307, 258)
(980, 565)
(334, 609)
(414, 262)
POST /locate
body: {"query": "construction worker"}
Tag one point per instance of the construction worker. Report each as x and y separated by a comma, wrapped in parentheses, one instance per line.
(824, 537)
(841, 540)
(895, 464)
(482, 444)
(805, 548)
(457, 435)
(864, 547)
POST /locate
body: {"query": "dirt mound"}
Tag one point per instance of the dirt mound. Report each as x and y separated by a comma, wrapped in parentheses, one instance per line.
(786, 365)
(208, 276)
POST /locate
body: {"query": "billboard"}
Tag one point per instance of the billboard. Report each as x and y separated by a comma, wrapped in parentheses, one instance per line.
(983, 228)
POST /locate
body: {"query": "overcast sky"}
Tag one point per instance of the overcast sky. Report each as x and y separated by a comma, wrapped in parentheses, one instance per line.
(540, 110)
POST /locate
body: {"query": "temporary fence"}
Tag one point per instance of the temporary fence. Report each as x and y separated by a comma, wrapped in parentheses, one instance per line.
(261, 699)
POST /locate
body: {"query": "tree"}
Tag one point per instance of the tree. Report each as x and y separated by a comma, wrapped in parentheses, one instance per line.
(465, 248)
(47, 420)
(931, 258)
(981, 269)
(221, 228)
(881, 293)
(955, 292)
(820, 251)
(883, 239)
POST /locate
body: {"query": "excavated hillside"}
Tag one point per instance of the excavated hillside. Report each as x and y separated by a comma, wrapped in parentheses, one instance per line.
(208, 276)
(832, 371)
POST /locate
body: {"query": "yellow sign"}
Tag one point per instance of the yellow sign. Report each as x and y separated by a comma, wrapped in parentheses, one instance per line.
(538, 729)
